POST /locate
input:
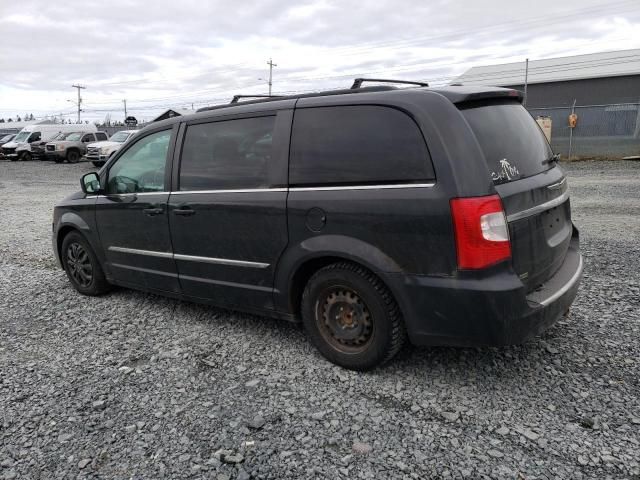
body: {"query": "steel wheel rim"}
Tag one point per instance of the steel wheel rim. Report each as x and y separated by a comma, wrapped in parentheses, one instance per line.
(79, 265)
(344, 319)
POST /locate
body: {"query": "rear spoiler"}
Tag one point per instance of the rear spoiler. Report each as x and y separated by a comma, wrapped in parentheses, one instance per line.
(461, 94)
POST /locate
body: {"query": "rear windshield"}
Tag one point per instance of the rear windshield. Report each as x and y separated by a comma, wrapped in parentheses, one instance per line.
(513, 144)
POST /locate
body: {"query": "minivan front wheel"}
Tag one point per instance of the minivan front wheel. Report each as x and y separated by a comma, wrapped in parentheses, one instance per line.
(351, 317)
(82, 266)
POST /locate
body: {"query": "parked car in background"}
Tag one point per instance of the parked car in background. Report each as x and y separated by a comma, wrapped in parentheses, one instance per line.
(73, 146)
(7, 138)
(34, 135)
(38, 148)
(98, 153)
(370, 215)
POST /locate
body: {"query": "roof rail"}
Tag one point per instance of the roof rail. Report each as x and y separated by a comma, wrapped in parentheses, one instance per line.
(238, 97)
(357, 83)
(276, 98)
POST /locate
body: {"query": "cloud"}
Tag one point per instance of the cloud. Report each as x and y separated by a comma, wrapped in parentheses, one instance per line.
(169, 53)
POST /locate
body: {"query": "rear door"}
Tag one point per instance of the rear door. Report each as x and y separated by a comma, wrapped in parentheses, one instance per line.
(533, 188)
(132, 215)
(227, 213)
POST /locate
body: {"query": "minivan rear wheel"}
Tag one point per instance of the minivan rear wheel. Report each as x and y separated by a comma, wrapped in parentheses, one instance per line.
(351, 317)
(82, 266)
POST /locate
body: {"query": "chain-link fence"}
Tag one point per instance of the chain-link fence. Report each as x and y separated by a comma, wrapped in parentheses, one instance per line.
(602, 131)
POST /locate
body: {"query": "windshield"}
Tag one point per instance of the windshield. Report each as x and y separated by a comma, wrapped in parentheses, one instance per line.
(6, 138)
(514, 146)
(22, 137)
(119, 137)
(74, 136)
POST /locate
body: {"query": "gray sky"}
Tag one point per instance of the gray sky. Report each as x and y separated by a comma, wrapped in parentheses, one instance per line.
(164, 54)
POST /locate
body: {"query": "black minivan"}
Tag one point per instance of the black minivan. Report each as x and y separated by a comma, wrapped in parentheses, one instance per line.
(372, 215)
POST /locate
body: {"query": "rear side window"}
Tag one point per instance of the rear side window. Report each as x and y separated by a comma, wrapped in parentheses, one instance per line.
(513, 144)
(229, 154)
(353, 145)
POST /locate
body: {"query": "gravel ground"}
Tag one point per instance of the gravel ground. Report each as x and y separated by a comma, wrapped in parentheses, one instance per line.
(132, 385)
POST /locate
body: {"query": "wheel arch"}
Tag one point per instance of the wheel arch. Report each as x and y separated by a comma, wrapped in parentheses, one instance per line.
(71, 222)
(72, 149)
(299, 263)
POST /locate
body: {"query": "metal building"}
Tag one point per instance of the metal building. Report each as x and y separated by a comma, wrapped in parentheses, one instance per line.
(594, 79)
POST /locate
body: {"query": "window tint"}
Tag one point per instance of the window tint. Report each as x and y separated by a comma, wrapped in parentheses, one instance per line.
(88, 138)
(228, 154)
(35, 137)
(513, 144)
(357, 145)
(141, 167)
(101, 136)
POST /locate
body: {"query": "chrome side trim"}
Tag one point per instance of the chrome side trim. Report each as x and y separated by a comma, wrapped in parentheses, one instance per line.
(241, 190)
(137, 194)
(189, 258)
(135, 251)
(362, 187)
(538, 208)
(557, 186)
(219, 261)
(565, 287)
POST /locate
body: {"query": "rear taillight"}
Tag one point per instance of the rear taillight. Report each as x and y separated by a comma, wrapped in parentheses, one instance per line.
(482, 236)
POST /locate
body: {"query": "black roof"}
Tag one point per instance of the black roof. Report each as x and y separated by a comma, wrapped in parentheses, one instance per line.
(457, 94)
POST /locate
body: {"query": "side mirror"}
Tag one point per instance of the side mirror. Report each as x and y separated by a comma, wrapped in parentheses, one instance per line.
(90, 183)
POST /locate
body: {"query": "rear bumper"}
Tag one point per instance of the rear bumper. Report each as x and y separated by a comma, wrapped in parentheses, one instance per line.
(495, 310)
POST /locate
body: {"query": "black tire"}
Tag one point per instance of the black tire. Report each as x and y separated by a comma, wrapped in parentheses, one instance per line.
(73, 156)
(26, 157)
(82, 266)
(98, 163)
(351, 317)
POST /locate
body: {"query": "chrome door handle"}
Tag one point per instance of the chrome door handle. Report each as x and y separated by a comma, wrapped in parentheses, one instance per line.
(151, 212)
(185, 212)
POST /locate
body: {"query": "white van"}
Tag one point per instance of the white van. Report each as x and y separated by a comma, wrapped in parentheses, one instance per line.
(20, 147)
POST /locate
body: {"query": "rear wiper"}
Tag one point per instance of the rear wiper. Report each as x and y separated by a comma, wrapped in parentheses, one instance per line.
(554, 159)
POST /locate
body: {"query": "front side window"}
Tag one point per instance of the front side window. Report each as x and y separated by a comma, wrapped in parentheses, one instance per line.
(35, 137)
(357, 145)
(101, 136)
(229, 154)
(141, 168)
(88, 138)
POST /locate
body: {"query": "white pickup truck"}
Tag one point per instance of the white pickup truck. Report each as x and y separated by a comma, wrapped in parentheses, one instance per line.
(99, 152)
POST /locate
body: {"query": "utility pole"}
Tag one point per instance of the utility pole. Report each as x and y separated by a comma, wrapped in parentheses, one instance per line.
(79, 87)
(271, 65)
(526, 81)
(125, 107)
